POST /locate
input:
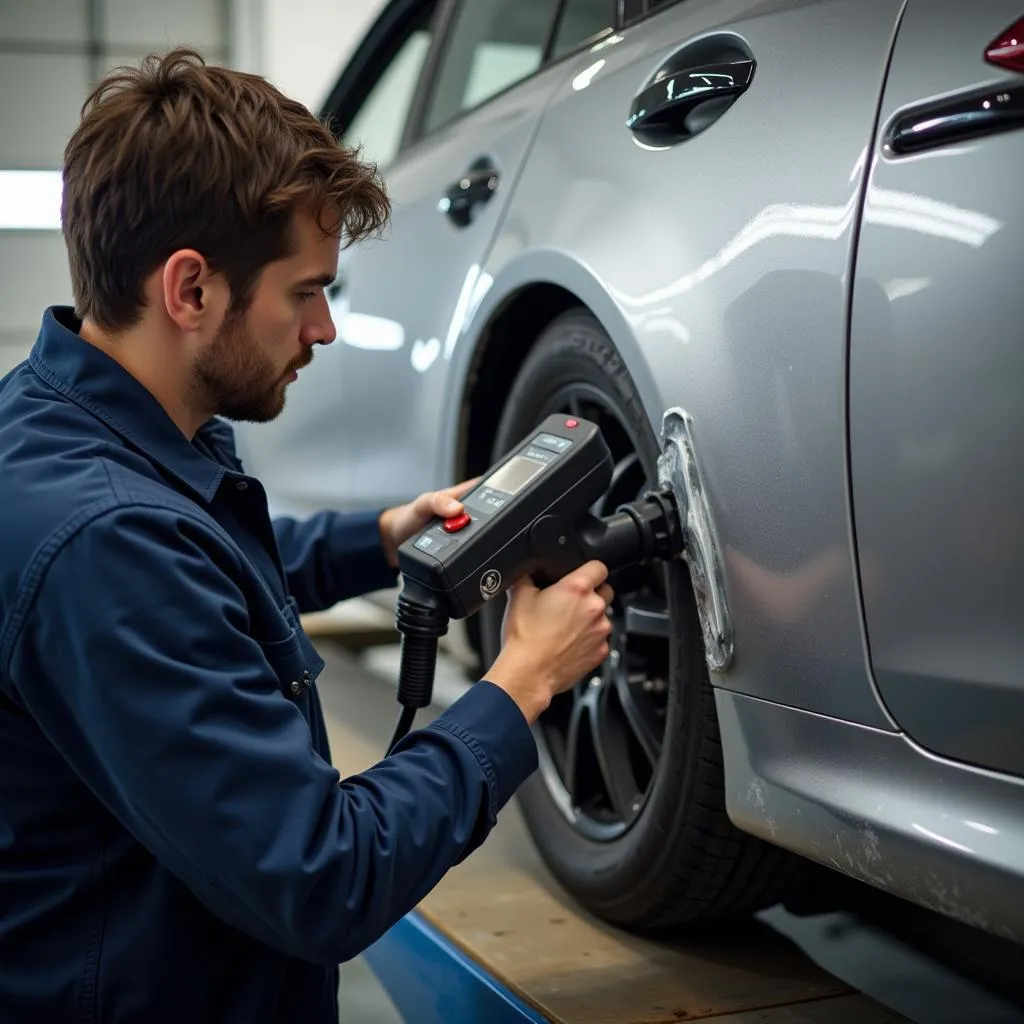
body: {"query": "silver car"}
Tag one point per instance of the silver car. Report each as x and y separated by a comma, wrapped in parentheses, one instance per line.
(774, 249)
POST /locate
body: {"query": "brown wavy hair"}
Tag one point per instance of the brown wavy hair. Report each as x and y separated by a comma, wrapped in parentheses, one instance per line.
(177, 154)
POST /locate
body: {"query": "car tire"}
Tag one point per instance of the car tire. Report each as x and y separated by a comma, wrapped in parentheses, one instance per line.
(679, 860)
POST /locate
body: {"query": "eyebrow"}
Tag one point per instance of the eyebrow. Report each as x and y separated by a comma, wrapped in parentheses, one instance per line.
(321, 280)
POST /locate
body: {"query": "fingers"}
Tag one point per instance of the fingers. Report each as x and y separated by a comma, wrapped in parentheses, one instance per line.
(436, 503)
(444, 503)
(460, 490)
(599, 610)
(523, 586)
(606, 593)
(589, 576)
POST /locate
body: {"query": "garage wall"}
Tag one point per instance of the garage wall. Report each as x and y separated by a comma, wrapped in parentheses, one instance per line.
(51, 52)
(306, 42)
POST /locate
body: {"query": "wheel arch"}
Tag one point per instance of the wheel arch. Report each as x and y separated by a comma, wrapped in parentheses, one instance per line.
(502, 349)
(523, 298)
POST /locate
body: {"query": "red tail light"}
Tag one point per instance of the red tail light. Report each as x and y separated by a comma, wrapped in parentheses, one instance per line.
(1007, 50)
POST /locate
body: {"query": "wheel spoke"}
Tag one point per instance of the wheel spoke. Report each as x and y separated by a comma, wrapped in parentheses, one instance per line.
(613, 497)
(621, 468)
(575, 407)
(639, 726)
(611, 748)
(572, 750)
(646, 617)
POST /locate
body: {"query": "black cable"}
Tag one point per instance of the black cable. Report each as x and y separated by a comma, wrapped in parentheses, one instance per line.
(421, 621)
(402, 728)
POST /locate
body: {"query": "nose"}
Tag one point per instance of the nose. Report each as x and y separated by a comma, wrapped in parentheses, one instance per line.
(319, 329)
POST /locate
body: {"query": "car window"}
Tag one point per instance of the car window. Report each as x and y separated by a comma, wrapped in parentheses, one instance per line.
(378, 124)
(580, 20)
(492, 44)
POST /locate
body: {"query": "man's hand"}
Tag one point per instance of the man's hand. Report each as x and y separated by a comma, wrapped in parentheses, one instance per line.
(398, 524)
(553, 637)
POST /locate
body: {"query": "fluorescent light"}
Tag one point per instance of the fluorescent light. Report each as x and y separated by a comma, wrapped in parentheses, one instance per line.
(30, 200)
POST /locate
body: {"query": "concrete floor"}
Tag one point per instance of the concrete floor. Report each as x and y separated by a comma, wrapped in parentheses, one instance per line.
(868, 957)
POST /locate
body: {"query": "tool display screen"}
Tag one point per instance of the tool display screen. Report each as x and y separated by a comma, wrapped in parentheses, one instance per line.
(514, 475)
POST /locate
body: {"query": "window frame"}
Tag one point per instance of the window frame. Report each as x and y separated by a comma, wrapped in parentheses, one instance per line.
(628, 20)
(584, 44)
(444, 43)
(379, 47)
(384, 40)
(440, 43)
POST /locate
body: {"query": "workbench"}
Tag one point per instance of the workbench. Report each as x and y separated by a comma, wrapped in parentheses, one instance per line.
(498, 942)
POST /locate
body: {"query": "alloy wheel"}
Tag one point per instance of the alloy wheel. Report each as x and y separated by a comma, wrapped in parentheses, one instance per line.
(600, 744)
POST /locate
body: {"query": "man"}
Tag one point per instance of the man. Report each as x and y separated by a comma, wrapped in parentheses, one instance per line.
(174, 843)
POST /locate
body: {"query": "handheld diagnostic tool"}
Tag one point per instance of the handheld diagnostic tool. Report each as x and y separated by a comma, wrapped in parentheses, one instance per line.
(519, 521)
(530, 515)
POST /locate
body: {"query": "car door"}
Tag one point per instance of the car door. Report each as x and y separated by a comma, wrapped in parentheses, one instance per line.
(368, 427)
(937, 384)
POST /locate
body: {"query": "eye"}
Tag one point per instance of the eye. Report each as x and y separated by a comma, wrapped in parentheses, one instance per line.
(306, 296)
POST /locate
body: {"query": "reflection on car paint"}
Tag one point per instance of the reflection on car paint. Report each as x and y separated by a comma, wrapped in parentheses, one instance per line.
(422, 354)
(475, 286)
(929, 216)
(375, 333)
(902, 287)
(779, 219)
(586, 76)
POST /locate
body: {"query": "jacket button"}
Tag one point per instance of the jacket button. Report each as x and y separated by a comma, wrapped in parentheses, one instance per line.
(296, 688)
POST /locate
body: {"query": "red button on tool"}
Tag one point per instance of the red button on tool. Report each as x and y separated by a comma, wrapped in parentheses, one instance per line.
(572, 423)
(456, 523)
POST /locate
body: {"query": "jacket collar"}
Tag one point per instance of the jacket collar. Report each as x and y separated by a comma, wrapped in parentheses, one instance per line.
(101, 386)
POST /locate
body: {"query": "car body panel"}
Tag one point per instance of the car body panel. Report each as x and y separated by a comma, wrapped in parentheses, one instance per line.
(737, 309)
(936, 409)
(877, 807)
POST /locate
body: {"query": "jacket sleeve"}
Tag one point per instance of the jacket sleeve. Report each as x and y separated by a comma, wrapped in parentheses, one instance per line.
(160, 699)
(333, 556)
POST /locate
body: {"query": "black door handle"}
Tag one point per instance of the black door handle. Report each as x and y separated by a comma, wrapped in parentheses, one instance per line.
(957, 119)
(465, 196)
(679, 104)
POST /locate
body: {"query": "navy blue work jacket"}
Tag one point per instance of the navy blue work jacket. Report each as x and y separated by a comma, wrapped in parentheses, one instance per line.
(174, 843)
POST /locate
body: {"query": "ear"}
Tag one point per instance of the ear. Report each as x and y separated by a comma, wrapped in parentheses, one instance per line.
(191, 290)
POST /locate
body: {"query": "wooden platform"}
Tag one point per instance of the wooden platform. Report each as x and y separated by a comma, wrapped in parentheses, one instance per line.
(503, 909)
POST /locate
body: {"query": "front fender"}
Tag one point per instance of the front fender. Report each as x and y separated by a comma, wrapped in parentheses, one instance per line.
(488, 292)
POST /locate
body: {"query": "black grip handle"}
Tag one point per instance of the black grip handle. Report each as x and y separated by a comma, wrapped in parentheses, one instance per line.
(555, 550)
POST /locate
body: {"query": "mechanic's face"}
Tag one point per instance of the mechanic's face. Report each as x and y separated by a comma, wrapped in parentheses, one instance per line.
(256, 354)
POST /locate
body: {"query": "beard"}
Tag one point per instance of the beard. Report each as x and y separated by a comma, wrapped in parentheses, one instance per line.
(238, 381)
